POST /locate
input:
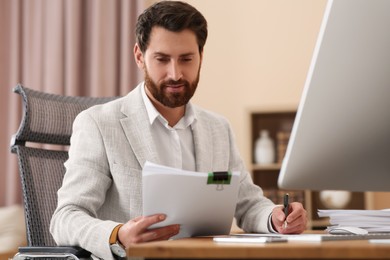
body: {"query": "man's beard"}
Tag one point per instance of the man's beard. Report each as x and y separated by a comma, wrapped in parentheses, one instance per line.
(171, 100)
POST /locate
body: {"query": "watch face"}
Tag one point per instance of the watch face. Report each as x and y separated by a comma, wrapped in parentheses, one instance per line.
(118, 250)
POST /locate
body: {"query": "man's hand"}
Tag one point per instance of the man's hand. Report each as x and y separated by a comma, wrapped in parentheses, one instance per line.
(137, 230)
(296, 219)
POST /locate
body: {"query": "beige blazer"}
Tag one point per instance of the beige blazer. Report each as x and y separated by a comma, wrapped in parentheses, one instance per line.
(103, 180)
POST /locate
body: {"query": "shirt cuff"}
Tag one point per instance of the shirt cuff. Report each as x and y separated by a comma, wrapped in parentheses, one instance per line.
(270, 227)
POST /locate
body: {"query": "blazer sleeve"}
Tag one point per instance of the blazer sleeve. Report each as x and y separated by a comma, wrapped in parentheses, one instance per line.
(85, 183)
(253, 209)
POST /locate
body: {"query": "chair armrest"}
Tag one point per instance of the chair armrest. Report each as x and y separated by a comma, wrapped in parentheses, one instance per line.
(49, 251)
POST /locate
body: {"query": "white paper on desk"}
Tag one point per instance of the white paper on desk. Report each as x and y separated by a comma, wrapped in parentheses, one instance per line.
(288, 237)
(187, 199)
(370, 220)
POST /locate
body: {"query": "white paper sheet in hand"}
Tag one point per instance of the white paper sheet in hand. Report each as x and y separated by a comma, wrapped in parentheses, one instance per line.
(186, 198)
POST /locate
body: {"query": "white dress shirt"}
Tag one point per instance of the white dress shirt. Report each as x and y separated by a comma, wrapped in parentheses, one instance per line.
(175, 145)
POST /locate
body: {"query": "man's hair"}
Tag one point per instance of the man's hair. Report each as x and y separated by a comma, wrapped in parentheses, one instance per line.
(174, 16)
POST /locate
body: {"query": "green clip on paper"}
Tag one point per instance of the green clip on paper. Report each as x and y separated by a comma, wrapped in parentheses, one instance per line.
(219, 178)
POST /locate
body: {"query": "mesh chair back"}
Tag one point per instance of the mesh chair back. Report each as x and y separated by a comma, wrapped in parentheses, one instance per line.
(47, 119)
(41, 173)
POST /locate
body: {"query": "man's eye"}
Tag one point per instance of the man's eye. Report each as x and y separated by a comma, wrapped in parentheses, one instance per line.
(186, 59)
(162, 59)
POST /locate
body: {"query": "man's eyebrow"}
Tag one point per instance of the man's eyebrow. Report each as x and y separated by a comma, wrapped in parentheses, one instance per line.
(188, 53)
(167, 55)
(160, 54)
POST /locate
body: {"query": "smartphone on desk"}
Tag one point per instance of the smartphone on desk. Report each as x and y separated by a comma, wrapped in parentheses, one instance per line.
(249, 239)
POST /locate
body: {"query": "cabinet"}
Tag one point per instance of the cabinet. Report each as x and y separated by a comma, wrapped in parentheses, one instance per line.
(279, 125)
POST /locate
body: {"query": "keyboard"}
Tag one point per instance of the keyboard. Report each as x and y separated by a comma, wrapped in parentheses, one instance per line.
(332, 237)
(318, 237)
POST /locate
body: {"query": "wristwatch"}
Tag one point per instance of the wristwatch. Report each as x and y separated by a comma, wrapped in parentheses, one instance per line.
(118, 250)
(116, 247)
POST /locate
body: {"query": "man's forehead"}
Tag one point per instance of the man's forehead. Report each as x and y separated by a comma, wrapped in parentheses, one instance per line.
(166, 42)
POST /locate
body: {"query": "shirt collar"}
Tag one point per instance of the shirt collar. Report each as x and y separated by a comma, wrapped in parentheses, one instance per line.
(188, 119)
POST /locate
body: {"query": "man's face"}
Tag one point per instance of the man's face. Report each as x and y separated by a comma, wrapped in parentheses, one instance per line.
(171, 64)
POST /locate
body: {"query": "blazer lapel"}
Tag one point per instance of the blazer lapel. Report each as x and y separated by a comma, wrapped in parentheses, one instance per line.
(203, 146)
(137, 128)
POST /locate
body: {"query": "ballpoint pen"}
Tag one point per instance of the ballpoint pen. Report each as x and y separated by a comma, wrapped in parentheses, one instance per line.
(286, 206)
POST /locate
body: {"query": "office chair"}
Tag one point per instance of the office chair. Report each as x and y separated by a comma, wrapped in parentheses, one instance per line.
(41, 147)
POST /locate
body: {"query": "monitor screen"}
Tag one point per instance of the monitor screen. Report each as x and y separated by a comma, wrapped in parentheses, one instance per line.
(341, 134)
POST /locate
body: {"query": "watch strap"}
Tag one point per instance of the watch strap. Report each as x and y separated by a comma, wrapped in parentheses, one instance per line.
(114, 234)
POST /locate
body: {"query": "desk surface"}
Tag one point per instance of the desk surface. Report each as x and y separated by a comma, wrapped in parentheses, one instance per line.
(7, 255)
(205, 248)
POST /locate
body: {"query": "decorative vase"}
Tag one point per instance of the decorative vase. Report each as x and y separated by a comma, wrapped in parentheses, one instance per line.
(264, 148)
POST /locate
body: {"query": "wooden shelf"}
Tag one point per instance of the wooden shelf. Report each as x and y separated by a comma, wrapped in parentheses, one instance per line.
(266, 176)
(266, 167)
(275, 122)
(278, 124)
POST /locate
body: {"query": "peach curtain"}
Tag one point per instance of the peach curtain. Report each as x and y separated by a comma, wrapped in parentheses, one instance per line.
(71, 47)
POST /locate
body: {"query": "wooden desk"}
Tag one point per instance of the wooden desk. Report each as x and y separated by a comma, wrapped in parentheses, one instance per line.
(205, 248)
(7, 255)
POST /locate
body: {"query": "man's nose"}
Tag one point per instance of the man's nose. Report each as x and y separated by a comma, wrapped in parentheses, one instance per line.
(175, 72)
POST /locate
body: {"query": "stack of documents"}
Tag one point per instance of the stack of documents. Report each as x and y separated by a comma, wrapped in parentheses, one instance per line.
(370, 220)
(202, 203)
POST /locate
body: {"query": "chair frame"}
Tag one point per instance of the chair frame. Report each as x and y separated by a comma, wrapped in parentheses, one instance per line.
(47, 120)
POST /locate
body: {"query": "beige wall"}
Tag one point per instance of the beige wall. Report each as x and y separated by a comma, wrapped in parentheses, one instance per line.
(257, 56)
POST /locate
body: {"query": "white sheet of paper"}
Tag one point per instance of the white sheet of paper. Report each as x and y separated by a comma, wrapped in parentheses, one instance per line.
(185, 197)
(370, 220)
(249, 240)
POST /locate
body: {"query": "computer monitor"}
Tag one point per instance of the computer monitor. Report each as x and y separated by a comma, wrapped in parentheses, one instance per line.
(341, 134)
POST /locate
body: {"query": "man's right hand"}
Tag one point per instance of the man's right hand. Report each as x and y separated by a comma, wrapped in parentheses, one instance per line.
(137, 230)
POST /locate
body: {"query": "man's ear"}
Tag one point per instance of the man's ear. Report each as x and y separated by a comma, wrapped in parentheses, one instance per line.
(201, 57)
(138, 56)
